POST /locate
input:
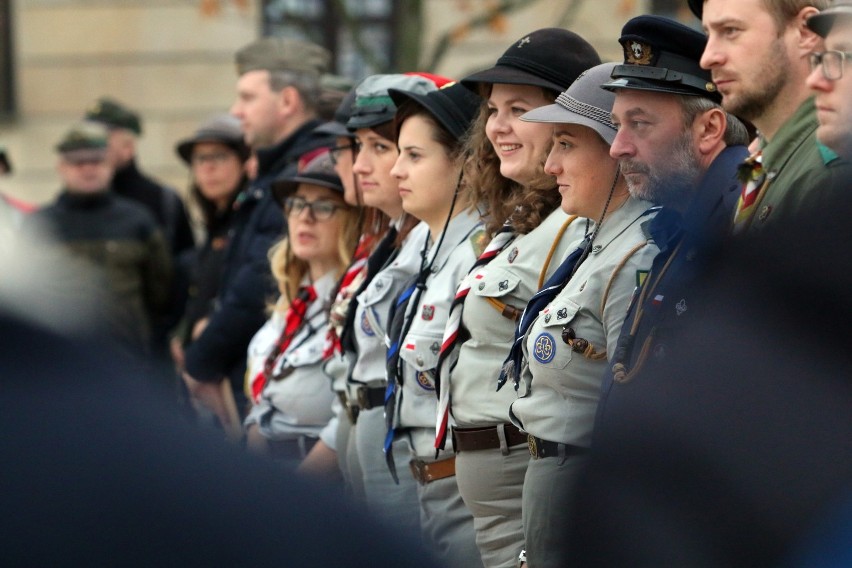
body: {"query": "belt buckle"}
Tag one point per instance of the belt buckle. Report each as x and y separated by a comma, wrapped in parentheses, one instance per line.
(532, 445)
(363, 399)
(418, 470)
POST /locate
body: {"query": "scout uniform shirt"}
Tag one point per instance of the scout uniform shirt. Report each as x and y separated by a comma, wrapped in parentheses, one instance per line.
(800, 172)
(512, 277)
(298, 403)
(373, 306)
(562, 379)
(416, 404)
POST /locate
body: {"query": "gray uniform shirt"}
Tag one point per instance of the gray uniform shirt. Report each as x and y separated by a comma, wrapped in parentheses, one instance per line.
(419, 349)
(559, 386)
(512, 278)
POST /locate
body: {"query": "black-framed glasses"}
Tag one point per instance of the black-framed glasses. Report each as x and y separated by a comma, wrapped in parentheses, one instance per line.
(832, 63)
(321, 210)
(335, 152)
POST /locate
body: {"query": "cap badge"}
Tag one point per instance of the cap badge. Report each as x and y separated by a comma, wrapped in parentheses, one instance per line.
(638, 53)
(523, 41)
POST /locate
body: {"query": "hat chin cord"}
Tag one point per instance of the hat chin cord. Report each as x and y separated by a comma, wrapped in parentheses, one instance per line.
(588, 248)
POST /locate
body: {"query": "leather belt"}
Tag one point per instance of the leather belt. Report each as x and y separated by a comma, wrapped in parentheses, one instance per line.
(370, 397)
(427, 472)
(545, 449)
(473, 439)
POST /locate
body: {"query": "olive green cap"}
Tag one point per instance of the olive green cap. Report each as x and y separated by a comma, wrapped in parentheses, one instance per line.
(113, 114)
(87, 139)
(283, 54)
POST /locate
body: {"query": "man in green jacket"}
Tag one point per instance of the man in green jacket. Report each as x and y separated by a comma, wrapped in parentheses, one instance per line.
(758, 53)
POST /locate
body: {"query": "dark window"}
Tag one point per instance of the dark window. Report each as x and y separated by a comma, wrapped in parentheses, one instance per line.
(362, 39)
(7, 70)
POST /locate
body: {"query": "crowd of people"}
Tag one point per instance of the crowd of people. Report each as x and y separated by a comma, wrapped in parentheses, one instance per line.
(559, 312)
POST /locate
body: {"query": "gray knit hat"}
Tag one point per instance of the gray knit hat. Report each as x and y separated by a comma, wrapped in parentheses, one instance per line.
(583, 103)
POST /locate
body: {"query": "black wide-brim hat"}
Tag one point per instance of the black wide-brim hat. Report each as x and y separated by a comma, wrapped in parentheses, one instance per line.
(822, 23)
(315, 168)
(663, 55)
(454, 106)
(551, 58)
(220, 129)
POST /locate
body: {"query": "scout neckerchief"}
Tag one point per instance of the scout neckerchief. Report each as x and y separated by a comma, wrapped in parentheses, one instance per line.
(455, 333)
(755, 182)
(294, 318)
(349, 283)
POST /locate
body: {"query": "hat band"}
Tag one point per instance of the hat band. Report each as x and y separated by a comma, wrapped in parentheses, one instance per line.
(583, 109)
(665, 75)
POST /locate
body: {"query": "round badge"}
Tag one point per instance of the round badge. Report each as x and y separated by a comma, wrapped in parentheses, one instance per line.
(544, 349)
(366, 327)
(424, 381)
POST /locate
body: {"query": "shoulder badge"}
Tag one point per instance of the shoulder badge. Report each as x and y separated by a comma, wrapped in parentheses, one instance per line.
(544, 348)
(479, 240)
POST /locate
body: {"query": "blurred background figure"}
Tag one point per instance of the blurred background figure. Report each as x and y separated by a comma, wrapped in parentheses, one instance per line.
(120, 251)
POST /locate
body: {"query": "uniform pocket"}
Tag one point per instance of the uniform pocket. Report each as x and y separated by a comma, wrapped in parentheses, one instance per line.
(494, 283)
(420, 352)
(545, 343)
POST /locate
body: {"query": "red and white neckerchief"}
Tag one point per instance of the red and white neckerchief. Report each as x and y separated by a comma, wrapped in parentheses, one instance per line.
(446, 363)
(294, 317)
(753, 178)
(349, 284)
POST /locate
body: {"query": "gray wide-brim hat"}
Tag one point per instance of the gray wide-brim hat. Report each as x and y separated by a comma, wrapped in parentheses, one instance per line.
(583, 103)
(222, 129)
(822, 23)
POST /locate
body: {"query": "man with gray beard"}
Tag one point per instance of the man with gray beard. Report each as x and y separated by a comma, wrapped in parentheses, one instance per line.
(680, 150)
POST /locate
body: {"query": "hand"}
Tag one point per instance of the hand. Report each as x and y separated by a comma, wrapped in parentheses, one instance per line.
(320, 461)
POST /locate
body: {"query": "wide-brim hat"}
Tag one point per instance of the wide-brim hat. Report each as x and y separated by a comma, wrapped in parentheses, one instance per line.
(373, 105)
(454, 106)
(663, 55)
(583, 103)
(822, 23)
(550, 58)
(315, 168)
(222, 129)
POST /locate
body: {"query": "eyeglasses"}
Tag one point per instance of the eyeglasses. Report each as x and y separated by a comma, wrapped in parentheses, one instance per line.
(832, 63)
(335, 152)
(320, 210)
(213, 158)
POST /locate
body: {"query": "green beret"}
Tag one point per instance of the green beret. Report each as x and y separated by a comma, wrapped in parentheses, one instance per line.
(283, 54)
(114, 115)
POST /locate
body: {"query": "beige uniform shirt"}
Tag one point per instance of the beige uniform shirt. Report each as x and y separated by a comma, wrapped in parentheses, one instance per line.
(512, 278)
(560, 387)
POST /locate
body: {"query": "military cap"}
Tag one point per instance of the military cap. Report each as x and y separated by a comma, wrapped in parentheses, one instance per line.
(283, 54)
(823, 22)
(315, 168)
(583, 103)
(224, 129)
(454, 106)
(113, 114)
(550, 58)
(84, 141)
(662, 55)
(337, 126)
(5, 163)
(373, 105)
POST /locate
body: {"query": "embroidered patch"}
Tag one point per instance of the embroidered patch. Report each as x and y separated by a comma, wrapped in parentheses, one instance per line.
(513, 255)
(562, 314)
(365, 326)
(544, 348)
(637, 53)
(424, 381)
(428, 312)
(641, 275)
(680, 307)
(504, 285)
(479, 240)
(523, 42)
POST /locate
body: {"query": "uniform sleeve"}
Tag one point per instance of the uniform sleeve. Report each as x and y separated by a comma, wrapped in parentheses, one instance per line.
(622, 283)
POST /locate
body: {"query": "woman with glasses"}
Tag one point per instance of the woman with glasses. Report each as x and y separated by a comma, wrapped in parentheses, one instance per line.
(216, 155)
(291, 401)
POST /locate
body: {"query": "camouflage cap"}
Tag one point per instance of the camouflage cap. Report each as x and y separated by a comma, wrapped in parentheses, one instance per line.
(84, 140)
(283, 54)
(113, 114)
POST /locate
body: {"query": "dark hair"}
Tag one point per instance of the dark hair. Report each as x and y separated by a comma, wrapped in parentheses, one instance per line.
(441, 135)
